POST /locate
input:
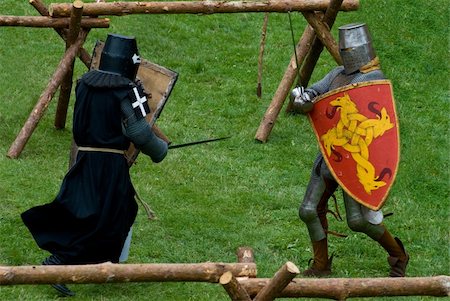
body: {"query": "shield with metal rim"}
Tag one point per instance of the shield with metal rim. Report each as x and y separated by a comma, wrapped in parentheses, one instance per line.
(358, 134)
(156, 79)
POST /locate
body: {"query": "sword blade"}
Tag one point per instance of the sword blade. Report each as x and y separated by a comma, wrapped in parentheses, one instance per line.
(197, 142)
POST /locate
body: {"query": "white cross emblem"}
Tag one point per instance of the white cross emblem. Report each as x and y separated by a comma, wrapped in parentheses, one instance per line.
(139, 101)
(136, 59)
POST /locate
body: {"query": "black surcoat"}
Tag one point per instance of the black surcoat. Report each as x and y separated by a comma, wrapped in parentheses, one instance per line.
(89, 219)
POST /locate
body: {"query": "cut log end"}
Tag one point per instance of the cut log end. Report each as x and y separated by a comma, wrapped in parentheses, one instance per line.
(292, 268)
(226, 278)
(78, 4)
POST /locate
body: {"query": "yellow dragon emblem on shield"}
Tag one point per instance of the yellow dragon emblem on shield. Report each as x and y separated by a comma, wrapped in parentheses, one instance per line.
(355, 132)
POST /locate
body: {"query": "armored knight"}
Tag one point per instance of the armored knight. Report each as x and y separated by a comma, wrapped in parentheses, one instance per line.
(90, 218)
(360, 64)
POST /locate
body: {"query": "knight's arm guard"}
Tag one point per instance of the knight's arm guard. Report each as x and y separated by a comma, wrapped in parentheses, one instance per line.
(303, 99)
(140, 133)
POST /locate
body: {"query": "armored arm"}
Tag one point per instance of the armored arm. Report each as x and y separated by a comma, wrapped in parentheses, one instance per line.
(141, 134)
(302, 99)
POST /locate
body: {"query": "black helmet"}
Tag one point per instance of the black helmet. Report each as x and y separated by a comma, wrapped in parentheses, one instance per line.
(120, 56)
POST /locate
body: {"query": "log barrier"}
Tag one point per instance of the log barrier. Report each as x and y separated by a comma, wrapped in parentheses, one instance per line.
(198, 7)
(238, 279)
(110, 273)
(343, 288)
(42, 21)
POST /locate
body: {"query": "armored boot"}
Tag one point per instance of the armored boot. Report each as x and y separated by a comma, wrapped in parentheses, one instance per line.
(61, 288)
(321, 263)
(398, 258)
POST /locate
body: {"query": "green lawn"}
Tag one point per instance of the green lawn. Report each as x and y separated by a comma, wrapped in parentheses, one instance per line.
(211, 199)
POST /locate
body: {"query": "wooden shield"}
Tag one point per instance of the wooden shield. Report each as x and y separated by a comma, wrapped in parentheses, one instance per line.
(357, 130)
(157, 80)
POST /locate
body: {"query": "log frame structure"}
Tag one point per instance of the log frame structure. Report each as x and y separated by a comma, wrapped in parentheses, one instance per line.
(65, 19)
(238, 279)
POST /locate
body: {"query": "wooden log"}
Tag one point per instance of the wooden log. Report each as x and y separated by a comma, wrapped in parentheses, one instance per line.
(245, 254)
(233, 288)
(198, 7)
(40, 7)
(261, 55)
(41, 21)
(45, 98)
(323, 34)
(343, 288)
(109, 272)
(84, 56)
(279, 281)
(284, 87)
(66, 84)
(317, 47)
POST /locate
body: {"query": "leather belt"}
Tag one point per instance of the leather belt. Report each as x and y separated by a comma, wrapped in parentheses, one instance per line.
(100, 149)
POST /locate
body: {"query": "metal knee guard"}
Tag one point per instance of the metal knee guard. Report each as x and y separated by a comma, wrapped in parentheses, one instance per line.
(357, 221)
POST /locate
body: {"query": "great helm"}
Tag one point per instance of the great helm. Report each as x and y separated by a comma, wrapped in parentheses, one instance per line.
(355, 46)
(120, 56)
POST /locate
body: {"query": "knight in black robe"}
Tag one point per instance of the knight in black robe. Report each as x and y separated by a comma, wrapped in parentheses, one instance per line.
(90, 218)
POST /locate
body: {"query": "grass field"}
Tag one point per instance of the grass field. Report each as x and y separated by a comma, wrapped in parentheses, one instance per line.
(211, 199)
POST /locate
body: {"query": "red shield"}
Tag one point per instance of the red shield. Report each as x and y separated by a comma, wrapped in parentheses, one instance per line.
(357, 130)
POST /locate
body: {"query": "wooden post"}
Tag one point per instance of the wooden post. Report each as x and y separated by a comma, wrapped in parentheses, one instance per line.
(342, 288)
(66, 84)
(109, 272)
(233, 288)
(197, 7)
(45, 98)
(41, 21)
(284, 87)
(84, 56)
(245, 254)
(261, 55)
(323, 33)
(317, 47)
(280, 280)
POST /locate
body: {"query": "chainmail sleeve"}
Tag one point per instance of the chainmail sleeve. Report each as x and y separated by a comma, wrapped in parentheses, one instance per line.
(323, 85)
(140, 133)
(337, 78)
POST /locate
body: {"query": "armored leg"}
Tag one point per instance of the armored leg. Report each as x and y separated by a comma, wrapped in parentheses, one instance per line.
(358, 222)
(126, 247)
(398, 258)
(313, 213)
